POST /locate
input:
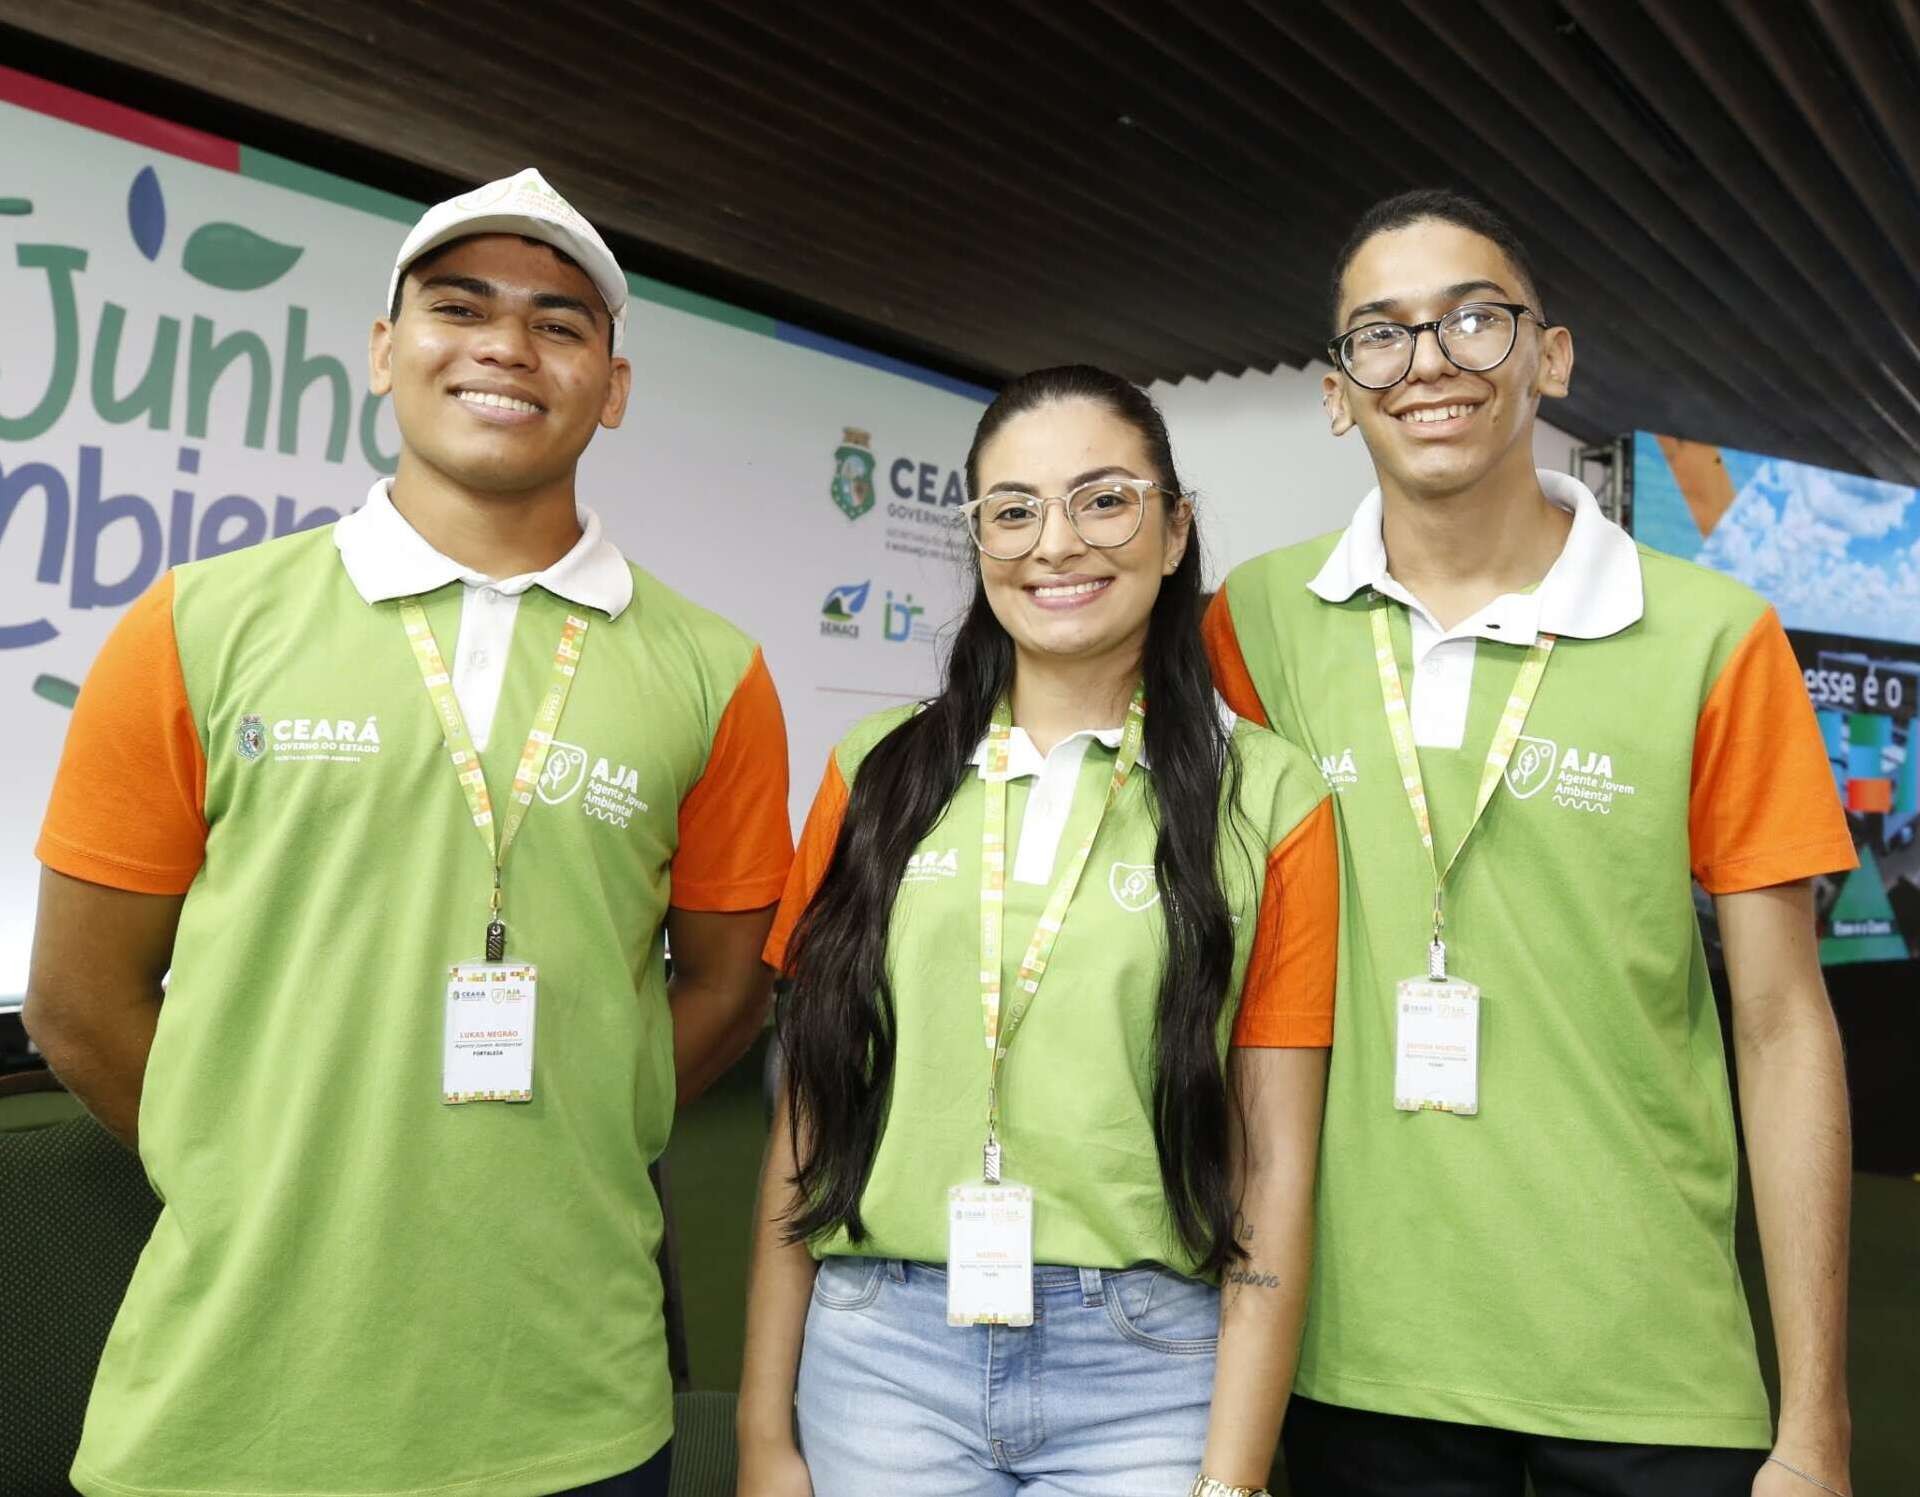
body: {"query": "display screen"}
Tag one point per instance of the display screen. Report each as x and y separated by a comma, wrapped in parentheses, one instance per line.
(1838, 555)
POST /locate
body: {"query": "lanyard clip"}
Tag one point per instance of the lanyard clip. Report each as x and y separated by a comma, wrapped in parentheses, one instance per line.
(496, 932)
(1437, 948)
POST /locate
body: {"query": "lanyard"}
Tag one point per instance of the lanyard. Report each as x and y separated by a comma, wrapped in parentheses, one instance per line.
(993, 889)
(466, 758)
(1506, 737)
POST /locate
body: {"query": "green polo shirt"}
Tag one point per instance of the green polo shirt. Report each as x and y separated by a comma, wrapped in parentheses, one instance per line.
(353, 1287)
(1563, 1262)
(1077, 1083)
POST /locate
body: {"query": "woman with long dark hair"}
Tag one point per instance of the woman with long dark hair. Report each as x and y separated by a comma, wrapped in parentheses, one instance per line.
(1036, 1211)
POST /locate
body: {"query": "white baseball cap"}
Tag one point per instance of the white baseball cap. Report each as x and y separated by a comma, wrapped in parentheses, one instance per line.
(525, 205)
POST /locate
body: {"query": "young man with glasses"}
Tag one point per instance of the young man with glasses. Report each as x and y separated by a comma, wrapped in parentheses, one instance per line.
(1539, 735)
(406, 804)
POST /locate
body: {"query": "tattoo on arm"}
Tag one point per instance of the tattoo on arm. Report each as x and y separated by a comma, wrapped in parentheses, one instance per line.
(1252, 1279)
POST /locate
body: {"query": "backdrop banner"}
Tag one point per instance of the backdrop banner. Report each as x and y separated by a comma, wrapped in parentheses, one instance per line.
(183, 331)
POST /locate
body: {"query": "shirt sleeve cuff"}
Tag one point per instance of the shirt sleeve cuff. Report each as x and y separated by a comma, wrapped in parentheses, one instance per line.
(1785, 865)
(743, 894)
(112, 873)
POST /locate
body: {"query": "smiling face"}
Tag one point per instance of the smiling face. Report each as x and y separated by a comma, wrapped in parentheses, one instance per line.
(499, 365)
(1065, 599)
(1443, 430)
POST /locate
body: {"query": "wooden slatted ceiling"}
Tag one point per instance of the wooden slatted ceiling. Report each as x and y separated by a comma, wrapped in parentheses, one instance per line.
(1723, 196)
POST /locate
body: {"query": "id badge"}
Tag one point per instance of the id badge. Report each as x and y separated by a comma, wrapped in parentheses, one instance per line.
(1436, 1061)
(990, 1255)
(488, 1054)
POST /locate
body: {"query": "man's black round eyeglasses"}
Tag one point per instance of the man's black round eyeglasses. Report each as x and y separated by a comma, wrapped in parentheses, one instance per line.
(1476, 337)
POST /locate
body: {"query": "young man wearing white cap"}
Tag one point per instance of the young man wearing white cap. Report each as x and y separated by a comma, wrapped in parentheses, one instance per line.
(406, 807)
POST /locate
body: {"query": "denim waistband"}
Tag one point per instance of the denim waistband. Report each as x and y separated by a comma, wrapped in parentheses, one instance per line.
(1048, 1278)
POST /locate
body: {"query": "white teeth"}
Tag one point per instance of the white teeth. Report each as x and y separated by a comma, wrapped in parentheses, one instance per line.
(1072, 590)
(500, 402)
(1436, 413)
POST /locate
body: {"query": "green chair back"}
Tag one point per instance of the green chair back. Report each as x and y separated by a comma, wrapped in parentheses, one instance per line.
(75, 1211)
(705, 1459)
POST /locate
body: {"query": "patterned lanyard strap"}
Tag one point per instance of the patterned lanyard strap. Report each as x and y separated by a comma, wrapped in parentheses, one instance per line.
(1506, 737)
(466, 758)
(993, 889)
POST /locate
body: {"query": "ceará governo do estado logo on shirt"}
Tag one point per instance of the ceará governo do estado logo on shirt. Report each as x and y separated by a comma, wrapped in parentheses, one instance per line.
(307, 740)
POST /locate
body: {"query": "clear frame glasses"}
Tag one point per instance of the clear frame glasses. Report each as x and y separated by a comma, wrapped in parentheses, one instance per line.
(1006, 523)
(1476, 337)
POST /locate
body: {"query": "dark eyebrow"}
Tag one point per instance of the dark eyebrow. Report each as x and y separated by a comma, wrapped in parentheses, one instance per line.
(545, 301)
(470, 284)
(1112, 470)
(555, 301)
(1390, 306)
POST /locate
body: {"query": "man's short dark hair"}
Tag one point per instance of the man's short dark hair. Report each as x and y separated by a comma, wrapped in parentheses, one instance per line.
(1448, 206)
(422, 262)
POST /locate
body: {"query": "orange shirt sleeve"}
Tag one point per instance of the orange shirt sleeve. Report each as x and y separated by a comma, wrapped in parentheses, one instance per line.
(1231, 678)
(129, 800)
(735, 840)
(817, 841)
(1286, 998)
(1763, 808)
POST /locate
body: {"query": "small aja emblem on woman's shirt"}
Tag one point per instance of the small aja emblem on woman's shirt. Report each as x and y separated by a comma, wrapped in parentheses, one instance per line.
(1133, 886)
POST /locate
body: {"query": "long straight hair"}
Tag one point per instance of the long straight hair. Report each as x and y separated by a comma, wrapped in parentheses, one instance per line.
(838, 1023)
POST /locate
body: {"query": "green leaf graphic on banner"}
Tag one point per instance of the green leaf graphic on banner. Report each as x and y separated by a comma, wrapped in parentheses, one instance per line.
(15, 207)
(237, 259)
(54, 689)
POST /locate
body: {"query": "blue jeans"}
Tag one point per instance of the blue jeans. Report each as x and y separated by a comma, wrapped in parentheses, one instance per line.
(1104, 1395)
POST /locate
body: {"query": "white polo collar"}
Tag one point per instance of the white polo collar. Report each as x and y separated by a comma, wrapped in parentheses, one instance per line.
(1024, 758)
(386, 557)
(1592, 590)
